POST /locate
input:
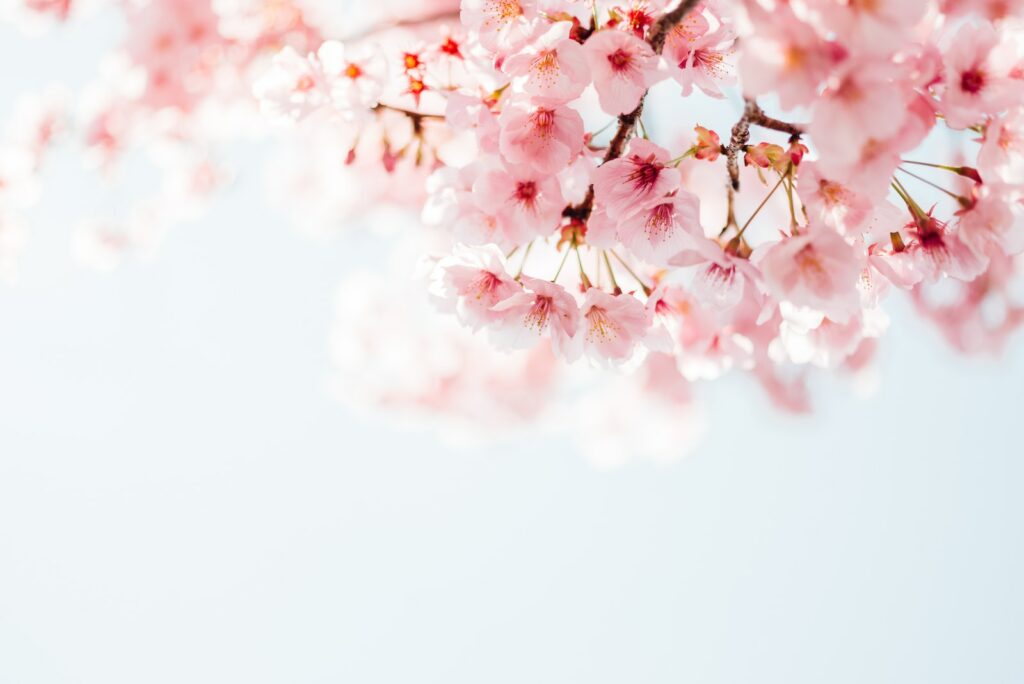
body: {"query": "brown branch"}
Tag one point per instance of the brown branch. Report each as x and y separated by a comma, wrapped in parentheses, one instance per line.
(627, 122)
(752, 115)
(659, 32)
(417, 117)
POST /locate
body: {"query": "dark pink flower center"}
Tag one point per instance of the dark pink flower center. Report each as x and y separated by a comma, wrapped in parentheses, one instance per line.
(645, 172)
(659, 221)
(543, 118)
(485, 285)
(620, 60)
(972, 81)
(537, 317)
(526, 192)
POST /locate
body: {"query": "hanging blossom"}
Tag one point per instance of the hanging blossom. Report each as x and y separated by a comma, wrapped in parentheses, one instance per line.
(573, 204)
(576, 220)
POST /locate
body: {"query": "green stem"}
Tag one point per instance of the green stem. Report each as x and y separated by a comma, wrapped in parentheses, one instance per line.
(934, 185)
(789, 196)
(760, 207)
(631, 272)
(583, 272)
(611, 273)
(565, 257)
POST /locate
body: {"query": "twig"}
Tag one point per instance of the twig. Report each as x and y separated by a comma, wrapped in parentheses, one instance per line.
(752, 115)
(417, 117)
(627, 122)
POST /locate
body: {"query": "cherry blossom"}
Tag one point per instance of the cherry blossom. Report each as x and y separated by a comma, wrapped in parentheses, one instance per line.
(356, 76)
(830, 202)
(660, 231)
(875, 26)
(501, 25)
(540, 309)
(475, 280)
(1002, 152)
(994, 216)
(623, 67)
(981, 75)
(701, 60)
(554, 67)
(528, 202)
(639, 177)
(544, 138)
(786, 56)
(816, 269)
(678, 189)
(293, 88)
(612, 325)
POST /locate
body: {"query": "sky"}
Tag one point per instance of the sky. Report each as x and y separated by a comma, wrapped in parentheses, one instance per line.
(183, 499)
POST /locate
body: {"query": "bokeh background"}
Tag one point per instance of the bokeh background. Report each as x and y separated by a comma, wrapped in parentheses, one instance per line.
(184, 499)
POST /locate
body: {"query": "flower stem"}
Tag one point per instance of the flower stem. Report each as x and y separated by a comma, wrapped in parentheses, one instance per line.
(938, 187)
(647, 290)
(913, 206)
(760, 206)
(611, 272)
(583, 272)
(565, 257)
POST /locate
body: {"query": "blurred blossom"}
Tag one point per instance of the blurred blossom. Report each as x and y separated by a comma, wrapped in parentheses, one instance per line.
(589, 253)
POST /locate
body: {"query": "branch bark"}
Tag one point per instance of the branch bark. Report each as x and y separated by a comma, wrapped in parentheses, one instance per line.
(752, 115)
(627, 122)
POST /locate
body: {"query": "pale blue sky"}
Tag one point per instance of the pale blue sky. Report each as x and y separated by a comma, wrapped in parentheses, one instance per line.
(182, 500)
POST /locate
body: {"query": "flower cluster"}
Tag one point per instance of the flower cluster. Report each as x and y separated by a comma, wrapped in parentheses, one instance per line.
(674, 188)
(572, 225)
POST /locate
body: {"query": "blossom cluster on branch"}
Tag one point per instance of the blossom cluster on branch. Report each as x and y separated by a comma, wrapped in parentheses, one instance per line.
(571, 225)
(675, 189)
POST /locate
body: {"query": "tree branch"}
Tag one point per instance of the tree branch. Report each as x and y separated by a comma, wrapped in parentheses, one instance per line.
(752, 115)
(627, 122)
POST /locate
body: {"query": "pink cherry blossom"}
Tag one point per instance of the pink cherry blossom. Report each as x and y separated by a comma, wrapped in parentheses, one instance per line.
(785, 55)
(356, 76)
(701, 60)
(1002, 152)
(831, 203)
(704, 350)
(993, 10)
(544, 138)
(660, 231)
(816, 339)
(868, 168)
(541, 308)
(623, 67)
(995, 216)
(474, 280)
(611, 325)
(639, 177)
(528, 203)
(864, 100)
(876, 26)
(723, 278)
(501, 25)
(554, 67)
(929, 251)
(292, 88)
(816, 269)
(708, 146)
(979, 75)
(474, 114)
(513, 128)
